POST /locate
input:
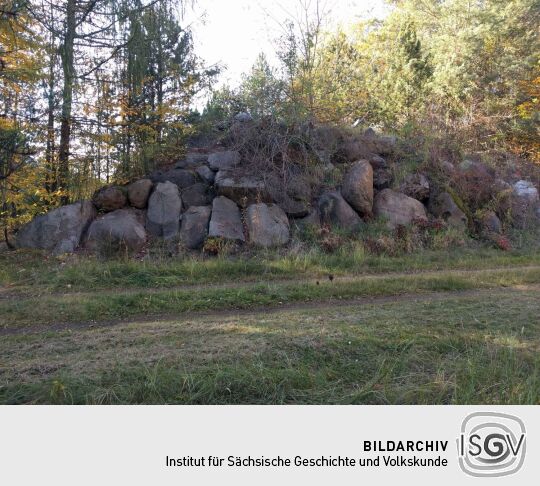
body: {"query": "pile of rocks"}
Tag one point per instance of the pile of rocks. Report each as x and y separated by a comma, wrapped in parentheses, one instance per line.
(214, 195)
(202, 196)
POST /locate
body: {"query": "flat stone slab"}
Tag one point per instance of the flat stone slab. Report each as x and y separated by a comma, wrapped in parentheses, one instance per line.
(242, 189)
(226, 221)
(224, 160)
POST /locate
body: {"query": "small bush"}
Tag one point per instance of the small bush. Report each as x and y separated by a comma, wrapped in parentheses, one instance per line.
(502, 242)
(421, 235)
(218, 246)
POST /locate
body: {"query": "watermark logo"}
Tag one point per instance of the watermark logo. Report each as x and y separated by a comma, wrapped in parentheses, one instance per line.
(491, 444)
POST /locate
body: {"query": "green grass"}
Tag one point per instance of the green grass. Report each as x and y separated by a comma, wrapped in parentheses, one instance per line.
(115, 305)
(459, 350)
(34, 273)
(181, 341)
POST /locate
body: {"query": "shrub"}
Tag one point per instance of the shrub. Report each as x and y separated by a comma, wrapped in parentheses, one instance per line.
(217, 246)
(502, 242)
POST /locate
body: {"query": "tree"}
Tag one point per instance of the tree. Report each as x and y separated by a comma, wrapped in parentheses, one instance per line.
(160, 76)
(483, 54)
(261, 91)
(298, 50)
(19, 69)
(339, 81)
(85, 30)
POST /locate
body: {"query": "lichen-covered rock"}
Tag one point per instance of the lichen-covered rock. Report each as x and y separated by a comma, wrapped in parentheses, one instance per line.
(139, 192)
(241, 188)
(226, 221)
(416, 186)
(267, 225)
(335, 211)
(164, 207)
(224, 160)
(357, 187)
(121, 231)
(58, 231)
(194, 229)
(443, 206)
(110, 198)
(397, 208)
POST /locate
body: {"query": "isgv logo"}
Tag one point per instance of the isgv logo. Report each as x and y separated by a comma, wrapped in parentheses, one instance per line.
(491, 444)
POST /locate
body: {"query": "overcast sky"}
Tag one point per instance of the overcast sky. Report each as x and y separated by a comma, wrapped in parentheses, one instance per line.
(234, 32)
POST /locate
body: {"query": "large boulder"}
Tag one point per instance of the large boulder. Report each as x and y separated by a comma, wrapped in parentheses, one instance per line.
(293, 195)
(379, 144)
(181, 177)
(206, 174)
(110, 198)
(416, 186)
(397, 208)
(443, 206)
(59, 230)
(267, 225)
(121, 231)
(197, 195)
(226, 221)
(357, 188)
(335, 211)
(192, 161)
(351, 148)
(194, 227)
(139, 192)
(243, 189)
(525, 204)
(489, 224)
(164, 207)
(349, 151)
(224, 160)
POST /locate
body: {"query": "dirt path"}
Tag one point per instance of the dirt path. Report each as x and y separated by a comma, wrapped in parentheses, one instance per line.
(6, 294)
(328, 305)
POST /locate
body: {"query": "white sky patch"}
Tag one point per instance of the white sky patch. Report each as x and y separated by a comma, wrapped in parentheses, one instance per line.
(234, 32)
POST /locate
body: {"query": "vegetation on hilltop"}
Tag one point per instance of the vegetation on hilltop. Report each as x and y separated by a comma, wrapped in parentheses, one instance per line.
(99, 92)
